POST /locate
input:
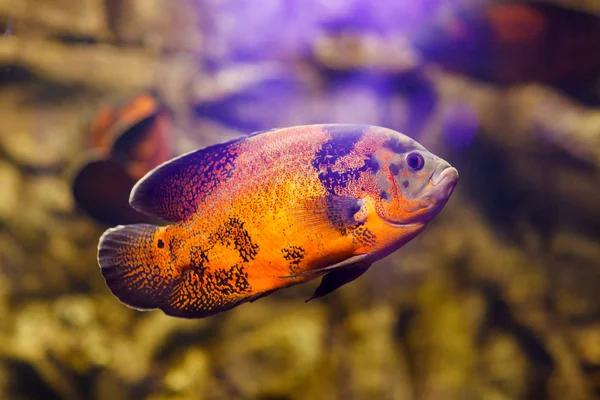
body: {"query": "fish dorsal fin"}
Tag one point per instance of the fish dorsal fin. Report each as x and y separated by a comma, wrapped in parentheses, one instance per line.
(173, 190)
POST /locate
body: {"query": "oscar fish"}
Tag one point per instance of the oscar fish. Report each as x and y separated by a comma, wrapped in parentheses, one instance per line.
(271, 210)
(136, 133)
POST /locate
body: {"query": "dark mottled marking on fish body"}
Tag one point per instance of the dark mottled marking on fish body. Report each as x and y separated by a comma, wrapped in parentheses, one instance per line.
(174, 246)
(160, 244)
(405, 184)
(294, 255)
(241, 279)
(341, 144)
(214, 286)
(383, 195)
(233, 232)
(232, 280)
(336, 182)
(198, 257)
(397, 146)
(364, 236)
(370, 165)
(394, 169)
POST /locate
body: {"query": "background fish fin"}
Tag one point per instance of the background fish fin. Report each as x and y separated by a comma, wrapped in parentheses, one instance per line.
(350, 262)
(128, 137)
(173, 190)
(101, 189)
(331, 211)
(338, 278)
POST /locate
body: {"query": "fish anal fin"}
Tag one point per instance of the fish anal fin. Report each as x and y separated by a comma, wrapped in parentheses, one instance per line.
(204, 292)
(257, 296)
(349, 262)
(338, 278)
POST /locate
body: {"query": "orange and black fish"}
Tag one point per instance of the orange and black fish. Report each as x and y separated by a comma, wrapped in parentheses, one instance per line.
(113, 121)
(272, 210)
(127, 141)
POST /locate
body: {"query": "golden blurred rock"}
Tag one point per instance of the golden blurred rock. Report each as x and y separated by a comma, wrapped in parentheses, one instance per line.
(59, 17)
(9, 196)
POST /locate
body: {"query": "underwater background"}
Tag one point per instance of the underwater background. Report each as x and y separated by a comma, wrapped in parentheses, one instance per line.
(499, 297)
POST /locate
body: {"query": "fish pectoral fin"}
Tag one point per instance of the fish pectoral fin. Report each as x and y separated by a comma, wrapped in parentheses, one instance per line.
(331, 211)
(354, 260)
(338, 278)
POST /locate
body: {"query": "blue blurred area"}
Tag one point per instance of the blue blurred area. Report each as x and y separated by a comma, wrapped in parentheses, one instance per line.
(307, 90)
(353, 61)
(272, 29)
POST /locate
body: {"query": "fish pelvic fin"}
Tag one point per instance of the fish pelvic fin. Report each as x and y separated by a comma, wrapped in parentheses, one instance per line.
(337, 278)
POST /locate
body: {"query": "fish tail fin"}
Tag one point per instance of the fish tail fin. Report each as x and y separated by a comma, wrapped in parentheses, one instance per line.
(127, 263)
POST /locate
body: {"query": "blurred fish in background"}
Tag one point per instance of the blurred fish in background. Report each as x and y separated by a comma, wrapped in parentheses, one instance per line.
(517, 42)
(496, 299)
(126, 141)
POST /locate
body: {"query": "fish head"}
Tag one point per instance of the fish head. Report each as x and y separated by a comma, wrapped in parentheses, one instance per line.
(412, 184)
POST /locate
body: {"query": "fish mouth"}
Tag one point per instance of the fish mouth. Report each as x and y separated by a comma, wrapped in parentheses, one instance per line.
(442, 186)
(449, 174)
(399, 224)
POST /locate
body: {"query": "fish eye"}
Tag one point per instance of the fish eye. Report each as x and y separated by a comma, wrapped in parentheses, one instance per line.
(415, 161)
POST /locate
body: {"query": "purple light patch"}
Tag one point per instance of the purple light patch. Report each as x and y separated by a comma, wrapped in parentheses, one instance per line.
(460, 125)
(237, 30)
(308, 89)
